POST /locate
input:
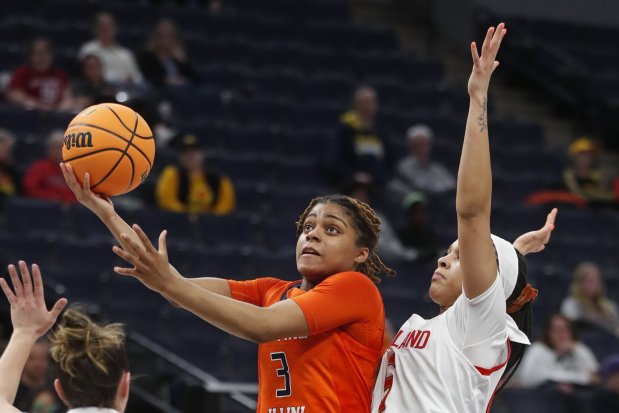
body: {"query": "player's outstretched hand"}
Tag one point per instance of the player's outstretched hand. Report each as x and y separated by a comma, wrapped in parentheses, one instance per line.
(535, 241)
(101, 205)
(484, 65)
(150, 266)
(28, 311)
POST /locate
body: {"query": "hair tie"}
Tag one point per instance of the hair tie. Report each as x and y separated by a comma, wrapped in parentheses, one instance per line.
(527, 295)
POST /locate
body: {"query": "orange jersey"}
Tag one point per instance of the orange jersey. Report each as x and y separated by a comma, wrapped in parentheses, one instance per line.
(333, 369)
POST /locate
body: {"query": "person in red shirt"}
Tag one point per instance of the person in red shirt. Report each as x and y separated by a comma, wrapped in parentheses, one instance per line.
(320, 337)
(44, 178)
(38, 84)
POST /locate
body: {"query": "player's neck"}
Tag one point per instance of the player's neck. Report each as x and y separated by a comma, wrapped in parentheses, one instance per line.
(307, 285)
(444, 308)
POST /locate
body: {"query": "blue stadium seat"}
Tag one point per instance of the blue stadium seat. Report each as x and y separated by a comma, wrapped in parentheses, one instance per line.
(277, 235)
(244, 168)
(77, 255)
(601, 342)
(534, 401)
(32, 250)
(289, 205)
(220, 231)
(180, 228)
(280, 265)
(229, 263)
(250, 199)
(295, 172)
(35, 217)
(83, 285)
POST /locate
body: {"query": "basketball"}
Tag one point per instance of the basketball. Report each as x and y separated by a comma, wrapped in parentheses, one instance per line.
(114, 144)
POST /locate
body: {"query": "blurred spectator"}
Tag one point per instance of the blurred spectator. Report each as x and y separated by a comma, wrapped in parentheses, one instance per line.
(588, 303)
(39, 84)
(582, 177)
(92, 88)
(119, 65)
(9, 179)
(389, 244)
(191, 186)
(358, 150)
(35, 376)
(45, 401)
(607, 398)
(417, 231)
(417, 171)
(559, 359)
(44, 178)
(165, 61)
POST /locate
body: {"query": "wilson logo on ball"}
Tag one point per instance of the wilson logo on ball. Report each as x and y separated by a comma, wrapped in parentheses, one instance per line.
(79, 140)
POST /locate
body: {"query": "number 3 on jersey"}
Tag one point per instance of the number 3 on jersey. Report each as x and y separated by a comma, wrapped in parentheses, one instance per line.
(282, 372)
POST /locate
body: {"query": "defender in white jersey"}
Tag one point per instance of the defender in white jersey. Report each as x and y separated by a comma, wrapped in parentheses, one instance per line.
(454, 362)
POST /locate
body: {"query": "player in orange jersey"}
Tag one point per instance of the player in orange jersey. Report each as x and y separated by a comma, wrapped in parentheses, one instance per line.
(320, 337)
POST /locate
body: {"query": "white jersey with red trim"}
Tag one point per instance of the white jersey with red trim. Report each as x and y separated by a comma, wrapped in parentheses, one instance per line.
(450, 363)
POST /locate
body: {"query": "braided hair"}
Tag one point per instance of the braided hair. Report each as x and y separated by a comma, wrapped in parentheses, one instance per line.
(523, 319)
(368, 229)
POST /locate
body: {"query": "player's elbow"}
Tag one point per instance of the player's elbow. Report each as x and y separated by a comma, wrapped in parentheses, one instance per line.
(472, 210)
(263, 333)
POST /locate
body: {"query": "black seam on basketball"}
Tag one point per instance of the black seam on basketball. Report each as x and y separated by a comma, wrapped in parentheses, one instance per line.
(126, 127)
(132, 173)
(120, 158)
(91, 153)
(137, 148)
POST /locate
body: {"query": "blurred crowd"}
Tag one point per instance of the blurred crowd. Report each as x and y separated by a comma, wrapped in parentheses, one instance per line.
(359, 161)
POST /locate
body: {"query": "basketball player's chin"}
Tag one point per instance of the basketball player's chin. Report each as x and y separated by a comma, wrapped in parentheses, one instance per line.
(434, 292)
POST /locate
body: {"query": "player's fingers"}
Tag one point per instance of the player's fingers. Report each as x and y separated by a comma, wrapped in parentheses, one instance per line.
(498, 35)
(163, 242)
(37, 282)
(65, 174)
(57, 308)
(487, 40)
(475, 54)
(17, 286)
(148, 246)
(132, 272)
(550, 219)
(131, 246)
(25, 278)
(70, 177)
(86, 185)
(130, 258)
(7, 291)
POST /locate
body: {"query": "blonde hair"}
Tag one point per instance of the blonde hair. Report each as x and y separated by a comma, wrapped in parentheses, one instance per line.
(597, 304)
(91, 359)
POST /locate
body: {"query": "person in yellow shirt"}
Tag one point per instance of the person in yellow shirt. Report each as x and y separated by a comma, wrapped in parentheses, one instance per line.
(583, 177)
(190, 186)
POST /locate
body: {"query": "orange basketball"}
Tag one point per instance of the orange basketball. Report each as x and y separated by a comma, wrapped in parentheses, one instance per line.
(114, 144)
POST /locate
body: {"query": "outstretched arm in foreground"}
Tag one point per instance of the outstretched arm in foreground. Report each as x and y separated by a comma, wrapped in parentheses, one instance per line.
(261, 324)
(474, 189)
(103, 208)
(30, 320)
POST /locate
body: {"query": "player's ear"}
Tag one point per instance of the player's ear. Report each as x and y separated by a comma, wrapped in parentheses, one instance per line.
(362, 255)
(59, 391)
